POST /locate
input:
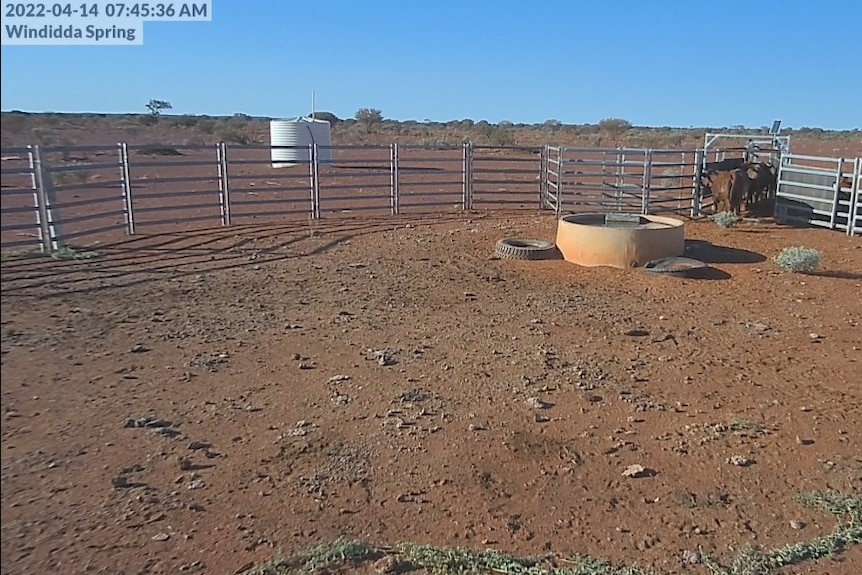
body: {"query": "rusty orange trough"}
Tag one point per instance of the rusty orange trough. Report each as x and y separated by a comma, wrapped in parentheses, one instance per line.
(619, 240)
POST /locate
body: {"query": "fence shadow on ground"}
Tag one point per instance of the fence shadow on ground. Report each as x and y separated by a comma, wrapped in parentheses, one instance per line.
(836, 274)
(710, 253)
(170, 256)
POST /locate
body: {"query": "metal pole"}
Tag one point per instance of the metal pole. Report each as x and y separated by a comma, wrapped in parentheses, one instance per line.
(645, 184)
(394, 206)
(560, 178)
(43, 203)
(697, 187)
(855, 197)
(315, 182)
(223, 183)
(35, 161)
(836, 194)
(543, 176)
(126, 188)
(467, 173)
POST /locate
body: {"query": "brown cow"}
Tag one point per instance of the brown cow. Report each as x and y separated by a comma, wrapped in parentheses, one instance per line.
(729, 189)
(764, 179)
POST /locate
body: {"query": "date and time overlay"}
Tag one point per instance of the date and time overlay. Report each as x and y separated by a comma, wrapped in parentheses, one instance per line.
(95, 23)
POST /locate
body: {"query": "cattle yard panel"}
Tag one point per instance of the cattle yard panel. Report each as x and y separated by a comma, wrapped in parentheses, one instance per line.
(819, 191)
(53, 196)
(430, 178)
(603, 179)
(24, 224)
(361, 178)
(252, 190)
(623, 180)
(169, 185)
(83, 195)
(552, 182)
(756, 147)
(507, 176)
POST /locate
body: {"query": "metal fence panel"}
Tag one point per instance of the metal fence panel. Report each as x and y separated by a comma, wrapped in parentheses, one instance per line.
(818, 191)
(87, 194)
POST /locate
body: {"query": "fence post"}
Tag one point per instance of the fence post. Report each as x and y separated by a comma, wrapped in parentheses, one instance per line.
(561, 173)
(39, 198)
(836, 194)
(315, 182)
(223, 183)
(126, 188)
(467, 174)
(697, 185)
(394, 203)
(47, 231)
(543, 181)
(855, 197)
(645, 185)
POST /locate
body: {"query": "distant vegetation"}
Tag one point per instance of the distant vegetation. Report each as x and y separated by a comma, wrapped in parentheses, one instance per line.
(368, 125)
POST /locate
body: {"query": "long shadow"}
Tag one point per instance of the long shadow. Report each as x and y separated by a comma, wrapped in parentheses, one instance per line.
(709, 273)
(710, 253)
(836, 274)
(178, 255)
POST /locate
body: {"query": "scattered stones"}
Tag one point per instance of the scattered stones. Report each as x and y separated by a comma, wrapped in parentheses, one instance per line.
(796, 524)
(740, 461)
(198, 445)
(292, 326)
(139, 348)
(161, 537)
(636, 332)
(691, 557)
(815, 337)
(537, 403)
(121, 482)
(151, 422)
(637, 471)
(339, 378)
(341, 399)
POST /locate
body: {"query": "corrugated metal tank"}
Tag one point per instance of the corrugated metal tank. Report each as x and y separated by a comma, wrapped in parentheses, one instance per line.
(301, 132)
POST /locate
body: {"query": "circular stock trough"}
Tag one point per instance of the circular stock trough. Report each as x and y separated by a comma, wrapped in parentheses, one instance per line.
(619, 240)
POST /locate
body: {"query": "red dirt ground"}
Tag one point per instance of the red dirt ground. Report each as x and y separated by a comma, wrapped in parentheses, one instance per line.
(259, 347)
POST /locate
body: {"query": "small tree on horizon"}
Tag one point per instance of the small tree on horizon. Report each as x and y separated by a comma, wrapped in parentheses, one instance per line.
(614, 127)
(156, 106)
(368, 117)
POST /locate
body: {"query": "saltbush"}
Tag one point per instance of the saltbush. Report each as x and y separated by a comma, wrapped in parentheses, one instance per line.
(798, 259)
(725, 219)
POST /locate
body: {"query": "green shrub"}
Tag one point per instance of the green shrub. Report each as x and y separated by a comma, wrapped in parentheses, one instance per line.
(798, 259)
(725, 219)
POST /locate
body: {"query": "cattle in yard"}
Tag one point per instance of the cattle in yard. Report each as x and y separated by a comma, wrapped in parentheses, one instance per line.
(724, 165)
(729, 189)
(764, 180)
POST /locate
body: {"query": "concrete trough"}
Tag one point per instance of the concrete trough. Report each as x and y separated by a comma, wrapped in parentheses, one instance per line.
(619, 240)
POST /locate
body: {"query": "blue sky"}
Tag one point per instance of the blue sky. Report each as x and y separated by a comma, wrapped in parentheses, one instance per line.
(652, 62)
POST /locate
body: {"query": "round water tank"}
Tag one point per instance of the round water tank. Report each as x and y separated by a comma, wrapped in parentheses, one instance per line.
(299, 134)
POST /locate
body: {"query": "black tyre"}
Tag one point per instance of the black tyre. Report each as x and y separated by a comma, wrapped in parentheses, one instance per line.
(524, 249)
